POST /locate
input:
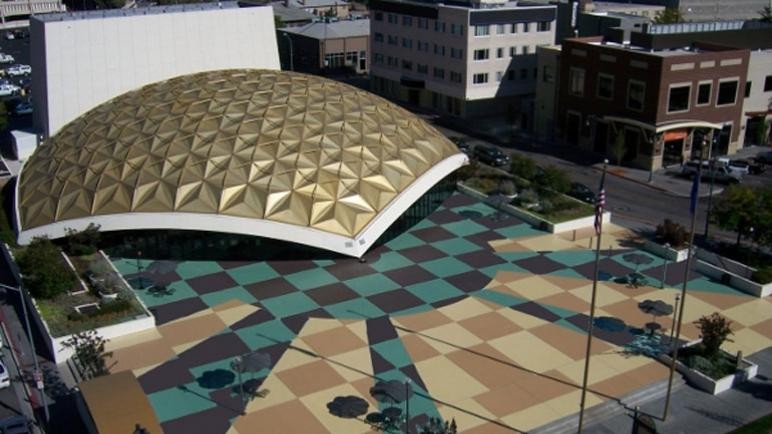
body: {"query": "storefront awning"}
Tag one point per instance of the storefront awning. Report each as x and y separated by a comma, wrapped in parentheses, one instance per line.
(660, 128)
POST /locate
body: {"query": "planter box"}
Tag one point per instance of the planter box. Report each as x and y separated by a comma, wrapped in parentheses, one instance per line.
(738, 282)
(533, 219)
(669, 253)
(701, 381)
(81, 284)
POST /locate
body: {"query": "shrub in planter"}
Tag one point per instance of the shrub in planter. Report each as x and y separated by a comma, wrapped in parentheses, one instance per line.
(468, 171)
(714, 330)
(526, 197)
(45, 274)
(763, 275)
(672, 233)
(554, 178)
(546, 206)
(80, 243)
(523, 167)
(507, 187)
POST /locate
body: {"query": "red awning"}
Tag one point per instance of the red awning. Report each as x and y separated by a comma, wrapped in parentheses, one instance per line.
(676, 135)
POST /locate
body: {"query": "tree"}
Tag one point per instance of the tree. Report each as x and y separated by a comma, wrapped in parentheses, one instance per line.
(554, 178)
(523, 167)
(714, 330)
(83, 242)
(742, 207)
(89, 348)
(766, 14)
(669, 16)
(43, 269)
(278, 22)
(618, 149)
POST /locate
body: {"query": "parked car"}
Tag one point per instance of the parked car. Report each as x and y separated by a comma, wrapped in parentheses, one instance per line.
(462, 144)
(733, 165)
(719, 173)
(581, 192)
(6, 58)
(491, 155)
(17, 70)
(15, 425)
(9, 89)
(764, 157)
(747, 166)
(22, 108)
(5, 379)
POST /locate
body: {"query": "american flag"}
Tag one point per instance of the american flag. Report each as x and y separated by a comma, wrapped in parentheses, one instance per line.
(600, 203)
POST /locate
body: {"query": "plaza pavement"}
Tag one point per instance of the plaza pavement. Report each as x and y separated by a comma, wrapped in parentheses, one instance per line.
(482, 312)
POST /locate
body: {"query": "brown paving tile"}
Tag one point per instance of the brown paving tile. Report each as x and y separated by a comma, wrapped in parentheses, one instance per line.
(140, 356)
(289, 417)
(409, 275)
(363, 386)
(566, 301)
(486, 350)
(189, 330)
(506, 400)
(491, 428)
(433, 234)
(395, 300)
(721, 301)
(333, 342)
(212, 282)
(649, 373)
(417, 348)
(423, 253)
(617, 386)
(764, 327)
(331, 294)
(627, 311)
(540, 386)
(561, 378)
(270, 288)
(309, 378)
(510, 276)
(422, 321)
(566, 283)
(491, 372)
(568, 342)
(490, 325)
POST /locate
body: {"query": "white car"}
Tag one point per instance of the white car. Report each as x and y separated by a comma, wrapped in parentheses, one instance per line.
(5, 379)
(17, 70)
(6, 58)
(9, 89)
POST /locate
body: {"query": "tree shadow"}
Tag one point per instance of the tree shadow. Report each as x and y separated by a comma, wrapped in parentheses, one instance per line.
(216, 379)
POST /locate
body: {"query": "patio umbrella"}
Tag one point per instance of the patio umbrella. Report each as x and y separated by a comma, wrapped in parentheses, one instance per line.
(610, 324)
(638, 259)
(392, 390)
(347, 406)
(253, 362)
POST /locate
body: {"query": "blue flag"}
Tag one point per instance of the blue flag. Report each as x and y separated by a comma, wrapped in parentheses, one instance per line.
(695, 193)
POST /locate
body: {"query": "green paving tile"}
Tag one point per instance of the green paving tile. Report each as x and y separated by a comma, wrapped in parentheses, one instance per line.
(358, 308)
(567, 272)
(218, 297)
(519, 231)
(572, 258)
(706, 284)
(456, 246)
(413, 310)
(464, 228)
(393, 351)
(434, 290)
(312, 278)
(404, 241)
(129, 266)
(420, 402)
(565, 324)
(423, 224)
(390, 261)
(655, 260)
(191, 269)
(265, 334)
(563, 313)
(252, 273)
(444, 267)
(179, 290)
(516, 256)
(493, 269)
(289, 304)
(499, 298)
(175, 403)
(371, 284)
(475, 207)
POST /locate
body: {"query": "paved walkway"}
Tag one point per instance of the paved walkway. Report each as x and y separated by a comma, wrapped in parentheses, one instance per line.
(483, 313)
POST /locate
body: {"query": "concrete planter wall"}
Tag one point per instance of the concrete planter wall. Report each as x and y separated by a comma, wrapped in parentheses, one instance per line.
(82, 288)
(533, 219)
(745, 285)
(671, 254)
(701, 381)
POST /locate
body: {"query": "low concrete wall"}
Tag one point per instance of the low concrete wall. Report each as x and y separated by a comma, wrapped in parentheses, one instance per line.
(669, 253)
(733, 280)
(701, 381)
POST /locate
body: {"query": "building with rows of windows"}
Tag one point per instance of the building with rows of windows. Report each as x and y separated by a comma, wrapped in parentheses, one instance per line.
(472, 60)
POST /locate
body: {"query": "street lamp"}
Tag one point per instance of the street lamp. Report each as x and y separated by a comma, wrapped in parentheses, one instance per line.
(40, 385)
(664, 269)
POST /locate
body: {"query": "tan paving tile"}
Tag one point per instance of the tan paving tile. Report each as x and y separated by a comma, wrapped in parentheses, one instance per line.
(234, 302)
(628, 311)
(140, 356)
(191, 329)
(486, 350)
(566, 283)
(540, 386)
(295, 356)
(310, 378)
(362, 387)
(417, 347)
(721, 301)
(523, 320)
(530, 418)
(467, 308)
(567, 301)
(504, 276)
(492, 428)
(318, 325)
(435, 374)
(575, 372)
(506, 399)
(750, 313)
(467, 414)
(291, 416)
(490, 325)
(528, 351)
(279, 393)
(132, 339)
(551, 243)
(534, 288)
(450, 337)
(332, 342)
(316, 403)
(488, 371)
(568, 404)
(748, 341)
(568, 342)
(236, 313)
(606, 294)
(695, 308)
(422, 321)
(353, 365)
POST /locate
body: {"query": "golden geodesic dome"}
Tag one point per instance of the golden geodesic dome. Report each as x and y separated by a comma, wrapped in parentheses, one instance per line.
(258, 144)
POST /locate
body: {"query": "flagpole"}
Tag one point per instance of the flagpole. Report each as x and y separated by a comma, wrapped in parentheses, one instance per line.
(599, 205)
(689, 256)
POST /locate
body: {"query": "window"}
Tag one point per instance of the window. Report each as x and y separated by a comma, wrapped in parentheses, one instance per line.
(456, 77)
(452, 28)
(378, 58)
(483, 30)
(480, 78)
(407, 21)
(703, 93)
(768, 83)
(422, 69)
(512, 51)
(499, 74)
(423, 23)
(439, 26)
(499, 53)
(439, 73)
(392, 61)
(362, 60)
(525, 50)
(379, 16)
(747, 89)
(514, 27)
(678, 98)
(526, 27)
(392, 19)
(481, 54)
(727, 93)
(393, 40)
(456, 53)
(500, 29)
(407, 43)
(378, 37)
(576, 81)
(334, 60)
(406, 64)
(636, 95)
(544, 26)
(547, 75)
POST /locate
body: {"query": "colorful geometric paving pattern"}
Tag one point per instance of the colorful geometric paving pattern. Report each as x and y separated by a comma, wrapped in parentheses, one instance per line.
(483, 313)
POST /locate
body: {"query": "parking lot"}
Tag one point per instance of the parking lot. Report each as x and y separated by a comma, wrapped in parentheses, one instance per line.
(19, 49)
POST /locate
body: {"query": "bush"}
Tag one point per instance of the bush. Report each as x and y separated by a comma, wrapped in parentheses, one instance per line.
(468, 171)
(523, 167)
(672, 233)
(763, 275)
(507, 187)
(43, 269)
(527, 196)
(555, 179)
(714, 330)
(81, 243)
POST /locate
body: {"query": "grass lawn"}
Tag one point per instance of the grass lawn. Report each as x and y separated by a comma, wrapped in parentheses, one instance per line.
(759, 426)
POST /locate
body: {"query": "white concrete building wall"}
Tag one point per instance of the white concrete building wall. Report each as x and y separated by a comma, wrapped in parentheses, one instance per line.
(759, 68)
(84, 60)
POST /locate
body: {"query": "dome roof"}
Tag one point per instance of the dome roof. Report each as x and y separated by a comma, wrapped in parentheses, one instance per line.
(232, 151)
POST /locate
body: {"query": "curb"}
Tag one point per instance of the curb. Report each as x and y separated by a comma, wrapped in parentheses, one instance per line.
(635, 180)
